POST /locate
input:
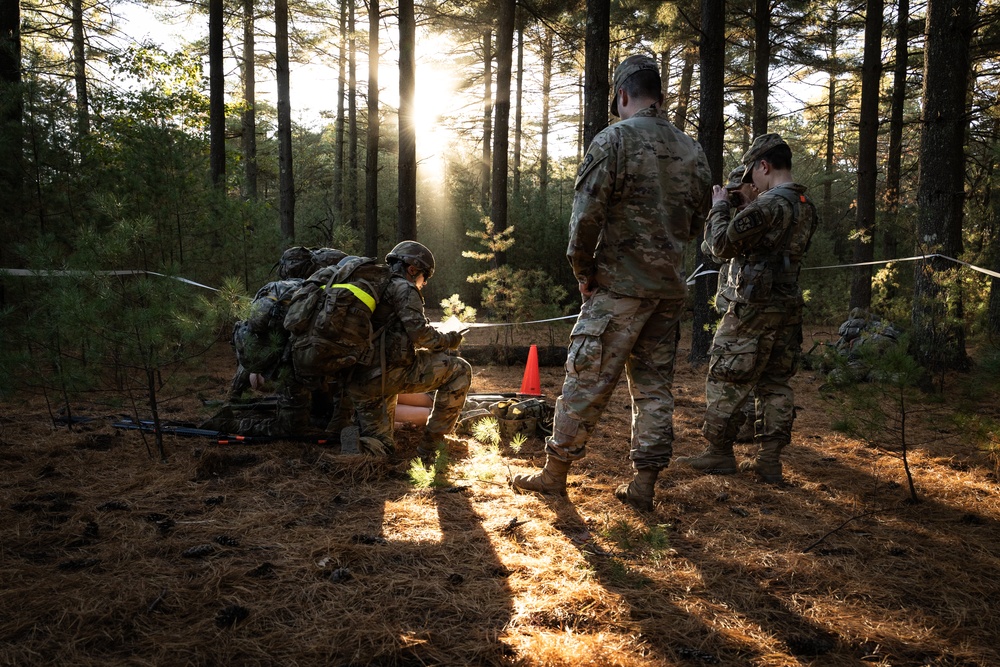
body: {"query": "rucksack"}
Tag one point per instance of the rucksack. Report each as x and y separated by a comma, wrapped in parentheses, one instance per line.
(261, 340)
(302, 262)
(330, 316)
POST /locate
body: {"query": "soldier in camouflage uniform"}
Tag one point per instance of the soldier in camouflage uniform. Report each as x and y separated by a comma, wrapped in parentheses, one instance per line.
(411, 356)
(740, 195)
(298, 398)
(641, 194)
(759, 340)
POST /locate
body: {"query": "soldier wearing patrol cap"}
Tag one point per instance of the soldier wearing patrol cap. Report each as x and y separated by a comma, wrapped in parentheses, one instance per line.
(641, 195)
(740, 195)
(759, 339)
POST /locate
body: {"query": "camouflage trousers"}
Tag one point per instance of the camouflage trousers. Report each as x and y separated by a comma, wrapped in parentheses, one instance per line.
(306, 406)
(617, 333)
(755, 349)
(447, 375)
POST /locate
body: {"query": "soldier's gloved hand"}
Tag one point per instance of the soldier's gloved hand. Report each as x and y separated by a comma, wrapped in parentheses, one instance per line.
(452, 340)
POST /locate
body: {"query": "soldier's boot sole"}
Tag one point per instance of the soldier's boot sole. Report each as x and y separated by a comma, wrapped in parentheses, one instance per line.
(350, 440)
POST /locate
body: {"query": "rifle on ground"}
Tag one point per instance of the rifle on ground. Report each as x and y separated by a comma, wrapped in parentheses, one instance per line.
(221, 437)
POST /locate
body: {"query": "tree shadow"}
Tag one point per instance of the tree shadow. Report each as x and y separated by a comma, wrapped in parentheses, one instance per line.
(428, 576)
(701, 642)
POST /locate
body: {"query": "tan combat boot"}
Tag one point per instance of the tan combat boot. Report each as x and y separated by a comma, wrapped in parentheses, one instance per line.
(551, 480)
(767, 465)
(427, 450)
(639, 492)
(716, 460)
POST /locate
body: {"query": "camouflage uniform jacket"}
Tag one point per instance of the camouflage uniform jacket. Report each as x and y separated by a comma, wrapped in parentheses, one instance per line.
(766, 242)
(400, 312)
(641, 195)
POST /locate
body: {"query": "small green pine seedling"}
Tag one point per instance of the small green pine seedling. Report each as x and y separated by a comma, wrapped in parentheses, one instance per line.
(487, 431)
(517, 442)
(656, 537)
(433, 477)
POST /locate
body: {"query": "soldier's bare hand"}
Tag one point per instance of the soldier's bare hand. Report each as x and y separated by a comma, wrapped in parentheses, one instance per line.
(719, 194)
(452, 340)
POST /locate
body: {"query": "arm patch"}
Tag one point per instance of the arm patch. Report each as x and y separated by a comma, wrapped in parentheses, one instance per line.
(749, 222)
(596, 155)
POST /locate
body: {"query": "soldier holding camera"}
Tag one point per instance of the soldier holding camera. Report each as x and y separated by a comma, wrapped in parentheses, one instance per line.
(758, 342)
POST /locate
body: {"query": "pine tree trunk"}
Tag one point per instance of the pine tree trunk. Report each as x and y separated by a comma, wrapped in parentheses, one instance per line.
(286, 182)
(580, 87)
(501, 124)
(80, 71)
(216, 96)
(484, 179)
(992, 246)
(11, 131)
(371, 145)
(543, 158)
(340, 124)
(831, 120)
(665, 78)
(684, 88)
(761, 65)
(938, 332)
(596, 84)
(871, 74)
(352, 118)
(517, 114)
(993, 252)
(249, 120)
(710, 136)
(895, 159)
(406, 222)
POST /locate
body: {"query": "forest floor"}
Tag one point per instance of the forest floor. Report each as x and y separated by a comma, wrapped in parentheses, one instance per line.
(291, 553)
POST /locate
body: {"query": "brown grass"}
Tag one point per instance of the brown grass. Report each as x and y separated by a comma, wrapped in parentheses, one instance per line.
(291, 554)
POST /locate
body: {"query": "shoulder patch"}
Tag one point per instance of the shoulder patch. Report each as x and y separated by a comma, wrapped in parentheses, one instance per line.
(596, 154)
(746, 223)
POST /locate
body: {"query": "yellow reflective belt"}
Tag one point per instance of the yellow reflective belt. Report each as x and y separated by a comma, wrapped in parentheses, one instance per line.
(362, 295)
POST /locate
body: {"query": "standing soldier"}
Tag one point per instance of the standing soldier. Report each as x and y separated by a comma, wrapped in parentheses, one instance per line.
(411, 356)
(759, 339)
(740, 195)
(641, 194)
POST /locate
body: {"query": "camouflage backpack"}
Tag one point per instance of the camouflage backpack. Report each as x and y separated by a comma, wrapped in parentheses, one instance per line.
(261, 340)
(329, 317)
(302, 262)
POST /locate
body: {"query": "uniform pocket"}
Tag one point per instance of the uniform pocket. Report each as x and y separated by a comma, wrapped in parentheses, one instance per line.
(565, 428)
(733, 358)
(754, 282)
(585, 347)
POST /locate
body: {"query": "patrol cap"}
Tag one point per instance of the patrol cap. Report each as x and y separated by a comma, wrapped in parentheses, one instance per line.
(758, 148)
(735, 181)
(627, 68)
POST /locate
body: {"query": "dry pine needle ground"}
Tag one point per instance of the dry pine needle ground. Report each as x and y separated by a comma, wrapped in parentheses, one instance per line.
(292, 554)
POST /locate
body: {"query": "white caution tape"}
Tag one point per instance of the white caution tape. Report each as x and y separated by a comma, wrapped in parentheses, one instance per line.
(698, 272)
(64, 273)
(877, 262)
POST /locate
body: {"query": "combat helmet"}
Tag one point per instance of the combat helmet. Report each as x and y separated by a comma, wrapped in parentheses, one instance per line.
(413, 253)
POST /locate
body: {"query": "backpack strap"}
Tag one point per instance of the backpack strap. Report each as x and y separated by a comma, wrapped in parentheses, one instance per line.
(783, 256)
(363, 296)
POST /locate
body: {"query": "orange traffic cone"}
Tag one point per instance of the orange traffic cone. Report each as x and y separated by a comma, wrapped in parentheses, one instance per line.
(531, 385)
